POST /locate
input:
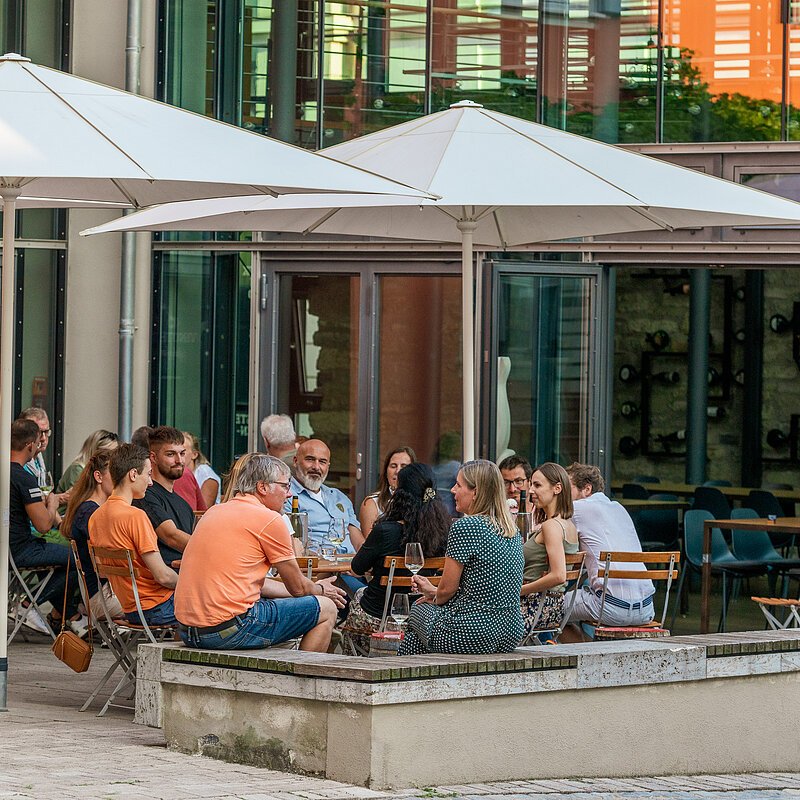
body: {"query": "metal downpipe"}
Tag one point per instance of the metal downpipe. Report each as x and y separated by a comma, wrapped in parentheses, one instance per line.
(127, 288)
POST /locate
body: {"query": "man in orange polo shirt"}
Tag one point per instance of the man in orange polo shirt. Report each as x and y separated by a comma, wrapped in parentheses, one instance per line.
(224, 599)
(117, 524)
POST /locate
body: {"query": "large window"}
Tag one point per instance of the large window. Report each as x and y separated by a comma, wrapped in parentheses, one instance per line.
(201, 348)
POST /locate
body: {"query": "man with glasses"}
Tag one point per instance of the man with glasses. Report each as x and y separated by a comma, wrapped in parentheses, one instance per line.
(516, 472)
(36, 465)
(224, 599)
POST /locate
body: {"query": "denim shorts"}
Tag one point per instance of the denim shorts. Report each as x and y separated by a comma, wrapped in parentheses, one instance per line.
(268, 622)
(162, 614)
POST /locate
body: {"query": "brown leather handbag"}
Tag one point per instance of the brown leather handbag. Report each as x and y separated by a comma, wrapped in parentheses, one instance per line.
(69, 647)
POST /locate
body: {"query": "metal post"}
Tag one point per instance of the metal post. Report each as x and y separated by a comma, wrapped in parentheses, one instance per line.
(127, 289)
(7, 282)
(754, 384)
(697, 391)
(284, 70)
(467, 228)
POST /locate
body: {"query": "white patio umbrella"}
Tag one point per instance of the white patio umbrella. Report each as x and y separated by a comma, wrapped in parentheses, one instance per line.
(66, 141)
(502, 182)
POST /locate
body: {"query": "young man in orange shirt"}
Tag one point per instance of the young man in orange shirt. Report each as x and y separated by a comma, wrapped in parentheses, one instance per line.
(117, 524)
(224, 599)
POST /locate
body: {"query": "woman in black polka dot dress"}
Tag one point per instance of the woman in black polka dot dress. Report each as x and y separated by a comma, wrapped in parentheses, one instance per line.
(475, 608)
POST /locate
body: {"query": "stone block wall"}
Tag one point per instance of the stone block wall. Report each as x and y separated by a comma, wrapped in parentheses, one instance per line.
(643, 307)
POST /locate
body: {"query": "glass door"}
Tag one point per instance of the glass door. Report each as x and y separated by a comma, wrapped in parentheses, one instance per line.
(317, 358)
(548, 343)
(367, 360)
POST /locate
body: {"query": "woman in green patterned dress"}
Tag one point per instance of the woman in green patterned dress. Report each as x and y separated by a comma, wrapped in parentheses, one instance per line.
(475, 608)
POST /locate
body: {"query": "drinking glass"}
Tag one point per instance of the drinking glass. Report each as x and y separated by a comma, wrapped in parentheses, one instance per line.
(337, 532)
(415, 561)
(48, 484)
(399, 608)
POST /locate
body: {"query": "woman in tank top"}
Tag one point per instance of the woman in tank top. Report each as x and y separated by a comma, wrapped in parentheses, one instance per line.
(545, 566)
(375, 505)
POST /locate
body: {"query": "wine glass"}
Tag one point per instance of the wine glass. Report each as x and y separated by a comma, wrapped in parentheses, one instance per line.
(399, 608)
(337, 532)
(415, 561)
(47, 487)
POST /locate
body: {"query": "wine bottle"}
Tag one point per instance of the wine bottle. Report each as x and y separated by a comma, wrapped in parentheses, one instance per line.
(777, 439)
(295, 504)
(629, 409)
(672, 438)
(713, 376)
(523, 496)
(668, 376)
(658, 340)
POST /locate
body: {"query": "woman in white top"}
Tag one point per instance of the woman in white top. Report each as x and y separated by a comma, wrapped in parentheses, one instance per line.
(208, 480)
(375, 504)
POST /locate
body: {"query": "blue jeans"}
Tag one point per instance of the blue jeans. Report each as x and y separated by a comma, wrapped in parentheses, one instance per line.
(162, 614)
(37, 552)
(268, 622)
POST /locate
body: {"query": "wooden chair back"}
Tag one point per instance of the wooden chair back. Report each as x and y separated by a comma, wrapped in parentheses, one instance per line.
(308, 564)
(405, 578)
(606, 572)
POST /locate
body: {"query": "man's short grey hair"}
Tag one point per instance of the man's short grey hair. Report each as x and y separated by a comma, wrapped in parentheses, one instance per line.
(278, 430)
(260, 469)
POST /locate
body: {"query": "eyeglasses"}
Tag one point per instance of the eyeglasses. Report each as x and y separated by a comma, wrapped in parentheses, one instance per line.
(285, 484)
(45, 432)
(520, 483)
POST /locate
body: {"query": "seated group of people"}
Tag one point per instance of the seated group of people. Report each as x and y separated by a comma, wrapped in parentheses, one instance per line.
(489, 592)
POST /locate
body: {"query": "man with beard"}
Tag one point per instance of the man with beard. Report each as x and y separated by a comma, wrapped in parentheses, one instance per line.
(323, 504)
(171, 516)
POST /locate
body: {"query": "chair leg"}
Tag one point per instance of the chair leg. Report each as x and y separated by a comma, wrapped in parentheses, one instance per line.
(723, 613)
(678, 600)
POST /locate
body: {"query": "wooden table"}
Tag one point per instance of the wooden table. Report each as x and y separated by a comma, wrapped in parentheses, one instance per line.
(633, 504)
(732, 492)
(780, 525)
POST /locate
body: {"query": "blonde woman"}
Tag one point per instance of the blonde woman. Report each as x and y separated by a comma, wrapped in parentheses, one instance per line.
(95, 442)
(545, 566)
(208, 480)
(475, 608)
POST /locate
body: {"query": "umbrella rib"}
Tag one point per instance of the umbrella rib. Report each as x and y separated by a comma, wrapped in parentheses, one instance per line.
(648, 215)
(563, 157)
(88, 122)
(499, 229)
(321, 221)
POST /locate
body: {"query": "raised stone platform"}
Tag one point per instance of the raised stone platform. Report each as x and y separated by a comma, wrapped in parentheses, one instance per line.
(691, 704)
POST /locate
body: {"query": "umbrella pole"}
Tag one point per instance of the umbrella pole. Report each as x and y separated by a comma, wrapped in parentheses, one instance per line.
(7, 281)
(467, 228)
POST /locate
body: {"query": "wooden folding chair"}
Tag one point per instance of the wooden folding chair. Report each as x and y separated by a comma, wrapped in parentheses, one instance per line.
(575, 569)
(351, 644)
(126, 635)
(650, 630)
(21, 587)
(770, 604)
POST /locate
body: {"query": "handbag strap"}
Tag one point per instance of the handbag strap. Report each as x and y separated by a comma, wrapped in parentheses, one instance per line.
(80, 575)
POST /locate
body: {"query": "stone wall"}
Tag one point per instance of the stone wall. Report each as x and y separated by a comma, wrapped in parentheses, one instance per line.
(644, 306)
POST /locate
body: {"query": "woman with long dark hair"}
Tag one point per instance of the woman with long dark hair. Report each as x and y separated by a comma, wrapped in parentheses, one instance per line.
(415, 514)
(376, 504)
(476, 606)
(90, 491)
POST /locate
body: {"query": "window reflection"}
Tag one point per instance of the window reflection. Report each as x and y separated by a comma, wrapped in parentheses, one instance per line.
(723, 71)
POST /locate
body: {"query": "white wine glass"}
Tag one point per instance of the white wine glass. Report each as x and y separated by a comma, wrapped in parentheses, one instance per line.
(399, 608)
(48, 484)
(415, 560)
(337, 532)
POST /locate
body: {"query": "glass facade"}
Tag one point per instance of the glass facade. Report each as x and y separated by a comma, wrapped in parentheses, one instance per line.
(37, 30)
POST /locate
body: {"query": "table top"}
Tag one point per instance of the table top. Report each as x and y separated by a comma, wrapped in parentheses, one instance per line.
(633, 504)
(685, 489)
(780, 525)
